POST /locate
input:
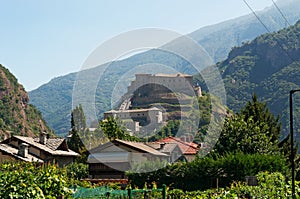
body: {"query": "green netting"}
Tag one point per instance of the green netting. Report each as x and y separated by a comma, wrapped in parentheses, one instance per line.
(99, 192)
(106, 192)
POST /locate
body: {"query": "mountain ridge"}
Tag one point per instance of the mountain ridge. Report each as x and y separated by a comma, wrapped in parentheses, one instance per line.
(268, 66)
(218, 45)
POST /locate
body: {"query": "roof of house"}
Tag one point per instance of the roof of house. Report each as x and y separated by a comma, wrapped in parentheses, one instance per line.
(100, 147)
(168, 147)
(140, 146)
(163, 147)
(14, 153)
(52, 145)
(187, 148)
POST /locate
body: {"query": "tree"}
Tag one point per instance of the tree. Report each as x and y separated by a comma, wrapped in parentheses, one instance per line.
(247, 136)
(113, 129)
(261, 113)
(252, 130)
(78, 128)
(78, 121)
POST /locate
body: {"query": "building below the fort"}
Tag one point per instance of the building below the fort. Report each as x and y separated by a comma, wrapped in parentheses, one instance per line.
(132, 119)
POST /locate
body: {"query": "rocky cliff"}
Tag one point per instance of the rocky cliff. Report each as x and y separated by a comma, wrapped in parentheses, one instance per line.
(16, 115)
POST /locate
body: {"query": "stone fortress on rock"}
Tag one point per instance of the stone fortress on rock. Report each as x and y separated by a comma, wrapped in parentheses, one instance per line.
(151, 98)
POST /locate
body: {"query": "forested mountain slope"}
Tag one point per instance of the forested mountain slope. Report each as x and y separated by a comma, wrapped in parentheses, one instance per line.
(16, 115)
(268, 66)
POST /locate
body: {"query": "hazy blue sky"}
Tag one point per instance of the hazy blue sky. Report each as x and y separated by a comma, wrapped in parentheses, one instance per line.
(40, 39)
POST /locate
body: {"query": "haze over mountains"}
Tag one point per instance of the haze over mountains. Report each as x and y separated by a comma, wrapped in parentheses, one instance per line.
(54, 99)
(218, 39)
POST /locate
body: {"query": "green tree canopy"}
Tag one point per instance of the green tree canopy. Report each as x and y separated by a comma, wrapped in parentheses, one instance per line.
(113, 129)
(78, 121)
(261, 113)
(252, 130)
(78, 128)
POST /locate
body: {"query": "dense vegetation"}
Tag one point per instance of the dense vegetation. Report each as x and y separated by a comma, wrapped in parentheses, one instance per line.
(198, 119)
(253, 129)
(202, 174)
(27, 180)
(16, 115)
(54, 100)
(270, 185)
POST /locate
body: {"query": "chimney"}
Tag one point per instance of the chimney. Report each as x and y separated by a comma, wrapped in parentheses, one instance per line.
(43, 138)
(162, 144)
(23, 150)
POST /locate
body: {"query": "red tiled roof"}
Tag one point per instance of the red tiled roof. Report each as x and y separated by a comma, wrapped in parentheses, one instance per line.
(188, 148)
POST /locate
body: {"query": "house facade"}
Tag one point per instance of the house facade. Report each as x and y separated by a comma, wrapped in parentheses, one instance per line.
(42, 149)
(111, 160)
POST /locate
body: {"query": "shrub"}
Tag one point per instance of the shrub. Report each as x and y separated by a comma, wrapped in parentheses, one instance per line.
(77, 170)
(202, 173)
(29, 180)
(270, 185)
